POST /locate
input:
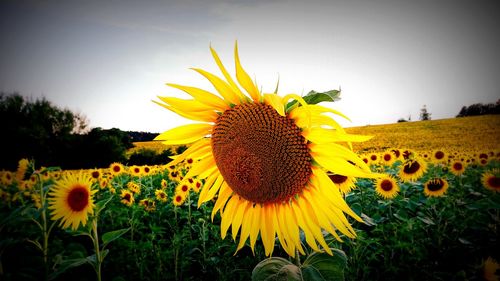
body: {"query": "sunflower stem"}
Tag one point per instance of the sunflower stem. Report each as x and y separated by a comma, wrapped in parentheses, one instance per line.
(98, 258)
(297, 258)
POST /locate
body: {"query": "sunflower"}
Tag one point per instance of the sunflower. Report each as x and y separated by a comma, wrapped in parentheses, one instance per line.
(412, 169)
(491, 270)
(127, 197)
(387, 187)
(266, 158)
(148, 204)
(161, 195)
(491, 180)
(95, 174)
(344, 183)
(435, 187)
(146, 170)
(388, 158)
(438, 156)
(179, 198)
(163, 183)
(116, 168)
(22, 168)
(135, 170)
(134, 187)
(71, 200)
(457, 167)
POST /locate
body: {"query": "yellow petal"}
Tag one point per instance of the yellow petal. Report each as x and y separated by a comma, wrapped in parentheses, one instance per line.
(275, 101)
(256, 221)
(185, 105)
(233, 85)
(246, 226)
(203, 96)
(224, 193)
(201, 144)
(238, 217)
(200, 166)
(244, 79)
(222, 87)
(205, 116)
(206, 187)
(185, 134)
(228, 215)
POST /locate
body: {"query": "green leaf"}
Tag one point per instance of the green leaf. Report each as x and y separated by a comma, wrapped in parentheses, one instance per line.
(276, 269)
(321, 266)
(108, 237)
(101, 204)
(314, 97)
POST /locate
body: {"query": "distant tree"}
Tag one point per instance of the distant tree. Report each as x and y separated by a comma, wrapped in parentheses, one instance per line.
(424, 115)
(400, 120)
(480, 109)
(34, 129)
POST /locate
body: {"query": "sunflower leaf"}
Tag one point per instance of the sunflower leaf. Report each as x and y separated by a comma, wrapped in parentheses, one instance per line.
(110, 236)
(321, 266)
(276, 269)
(101, 204)
(314, 97)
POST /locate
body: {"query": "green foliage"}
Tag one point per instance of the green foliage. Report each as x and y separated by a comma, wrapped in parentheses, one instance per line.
(314, 97)
(316, 267)
(146, 156)
(34, 129)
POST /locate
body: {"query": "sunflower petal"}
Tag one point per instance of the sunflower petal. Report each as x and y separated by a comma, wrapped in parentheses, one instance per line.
(276, 102)
(244, 78)
(185, 134)
(222, 87)
(203, 96)
(230, 80)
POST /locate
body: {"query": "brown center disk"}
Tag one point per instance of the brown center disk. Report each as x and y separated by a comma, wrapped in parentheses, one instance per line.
(261, 155)
(78, 198)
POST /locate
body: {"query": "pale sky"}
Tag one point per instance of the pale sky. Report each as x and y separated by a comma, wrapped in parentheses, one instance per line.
(109, 59)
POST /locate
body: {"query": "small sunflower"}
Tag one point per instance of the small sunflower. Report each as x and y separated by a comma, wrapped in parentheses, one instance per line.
(116, 168)
(135, 171)
(163, 183)
(435, 187)
(412, 169)
(22, 168)
(491, 180)
(161, 195)
(134, 187)
(439, 156)
(387, 187)
(179, 199)
(457, 167)
(95, 174)
(71, 200)
(146, 170)
(265, 158)
(388, 158)
(344, 183)
(148, 204)
(127, 197)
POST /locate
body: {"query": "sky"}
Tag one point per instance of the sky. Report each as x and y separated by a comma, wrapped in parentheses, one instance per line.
(109, 59)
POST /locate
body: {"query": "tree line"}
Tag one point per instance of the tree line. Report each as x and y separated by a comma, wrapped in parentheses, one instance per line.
(39, 130)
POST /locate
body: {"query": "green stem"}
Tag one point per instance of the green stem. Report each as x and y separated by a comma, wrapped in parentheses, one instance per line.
(98, 258)
(297, 258)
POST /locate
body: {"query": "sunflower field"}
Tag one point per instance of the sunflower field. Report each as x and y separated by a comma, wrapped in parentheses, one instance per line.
(266, 188)
(439, 221)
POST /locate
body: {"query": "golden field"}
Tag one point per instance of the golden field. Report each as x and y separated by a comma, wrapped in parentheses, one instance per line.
(475, 133)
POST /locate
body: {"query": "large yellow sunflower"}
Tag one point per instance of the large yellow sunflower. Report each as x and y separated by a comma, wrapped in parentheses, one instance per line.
(266, 158)
(71, 200)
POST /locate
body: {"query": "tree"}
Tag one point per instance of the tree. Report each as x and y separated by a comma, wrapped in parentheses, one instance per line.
(424, 115)
(34, 129)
